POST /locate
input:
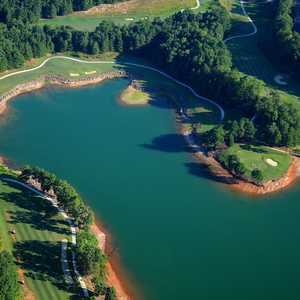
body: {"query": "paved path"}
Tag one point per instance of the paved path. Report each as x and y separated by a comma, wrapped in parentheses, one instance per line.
(254, 28)
(64, 261)
(222, 113)
(197, 5)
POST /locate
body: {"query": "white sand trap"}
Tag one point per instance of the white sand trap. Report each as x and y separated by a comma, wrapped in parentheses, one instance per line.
(74, 74)
(280, 79)
(129, 19)
(91, 72)
(271, 162)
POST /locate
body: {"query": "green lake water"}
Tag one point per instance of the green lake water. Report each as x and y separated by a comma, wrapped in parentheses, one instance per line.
(179, 235)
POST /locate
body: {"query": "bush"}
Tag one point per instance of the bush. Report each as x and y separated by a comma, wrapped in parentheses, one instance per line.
(9, 287)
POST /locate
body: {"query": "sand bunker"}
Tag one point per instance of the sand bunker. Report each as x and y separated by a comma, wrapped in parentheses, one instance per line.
(129, 19)
(74, 74)
(89, 73)
(271, 162)
(280, 79)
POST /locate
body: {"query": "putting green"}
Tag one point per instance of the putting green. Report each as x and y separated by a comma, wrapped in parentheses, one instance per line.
(257, 157)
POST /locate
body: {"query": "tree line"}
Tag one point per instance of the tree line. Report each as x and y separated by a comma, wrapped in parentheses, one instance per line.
(9, 285)
(287, 38)
(91, 260)
(188, 46)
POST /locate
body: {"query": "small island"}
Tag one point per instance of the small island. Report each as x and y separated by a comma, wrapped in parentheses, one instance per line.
(134, 94)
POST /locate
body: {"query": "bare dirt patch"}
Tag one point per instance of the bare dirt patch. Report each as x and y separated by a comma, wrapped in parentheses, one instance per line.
(121, 8)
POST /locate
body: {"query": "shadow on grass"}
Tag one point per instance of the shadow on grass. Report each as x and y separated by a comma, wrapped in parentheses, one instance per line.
(166, 94)
(252, 148)
(36, 211)
(41, 261)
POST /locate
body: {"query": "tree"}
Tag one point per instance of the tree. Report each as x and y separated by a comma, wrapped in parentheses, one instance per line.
(110, 294)
(240, 169)
(9, 288)
(216, 137)
(257, 175)
(90, 258)
(231, 140)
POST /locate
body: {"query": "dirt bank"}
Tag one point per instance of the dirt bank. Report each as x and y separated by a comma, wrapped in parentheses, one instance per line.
(216, 172)
(117, 8)
(114, 278)
(271, 186)
(55, 80)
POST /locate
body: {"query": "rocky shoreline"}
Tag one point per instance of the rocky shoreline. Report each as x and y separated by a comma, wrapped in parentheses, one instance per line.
(56, 80)
(218, 173)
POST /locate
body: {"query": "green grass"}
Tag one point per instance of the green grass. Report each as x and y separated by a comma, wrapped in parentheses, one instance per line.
(59, 67)
(204, 114)
(133, 96)
(253, 157)
(37, 244)
(250, 54)
(137, 11)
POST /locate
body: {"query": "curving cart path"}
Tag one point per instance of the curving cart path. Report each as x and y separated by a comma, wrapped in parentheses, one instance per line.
(197, 5)
(64, 261)
(188, 136)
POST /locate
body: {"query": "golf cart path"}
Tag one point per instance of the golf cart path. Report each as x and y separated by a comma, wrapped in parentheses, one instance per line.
(197, 5)
(64, 261)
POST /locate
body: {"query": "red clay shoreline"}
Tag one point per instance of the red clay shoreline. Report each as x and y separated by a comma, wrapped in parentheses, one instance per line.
(116, 275)
(124, 289)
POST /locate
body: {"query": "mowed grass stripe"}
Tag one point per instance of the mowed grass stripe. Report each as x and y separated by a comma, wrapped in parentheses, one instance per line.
(45, 290)
(26, 235)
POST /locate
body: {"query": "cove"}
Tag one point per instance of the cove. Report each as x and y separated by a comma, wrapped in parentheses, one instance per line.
(179, 234)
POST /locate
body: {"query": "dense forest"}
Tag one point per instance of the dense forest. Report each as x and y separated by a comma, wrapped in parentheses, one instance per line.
(188, 46)
(288, 40)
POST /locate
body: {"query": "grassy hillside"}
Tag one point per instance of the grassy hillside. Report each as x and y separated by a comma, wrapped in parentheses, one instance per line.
(36, 245)
(157, 86)
(251, 57)
(124, 13)
(255, 157)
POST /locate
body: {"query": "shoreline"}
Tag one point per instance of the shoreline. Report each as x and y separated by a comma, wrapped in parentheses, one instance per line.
(217, 171)
(290, 178)
(48, 80)
(115, 272)
(124, 291)
(125, 97)
(220, 174)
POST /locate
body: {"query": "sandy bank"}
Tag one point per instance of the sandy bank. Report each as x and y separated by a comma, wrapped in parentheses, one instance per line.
(113, 279)
(55, 80)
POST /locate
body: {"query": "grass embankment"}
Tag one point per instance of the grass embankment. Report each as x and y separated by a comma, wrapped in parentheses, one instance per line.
(203, 114)
(36, 245)
(123, 13)
(63, 67)
(257, 157)
(134, 96)
(249, 56)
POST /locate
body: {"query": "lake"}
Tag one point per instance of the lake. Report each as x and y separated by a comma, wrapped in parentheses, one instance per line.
(179, 235)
